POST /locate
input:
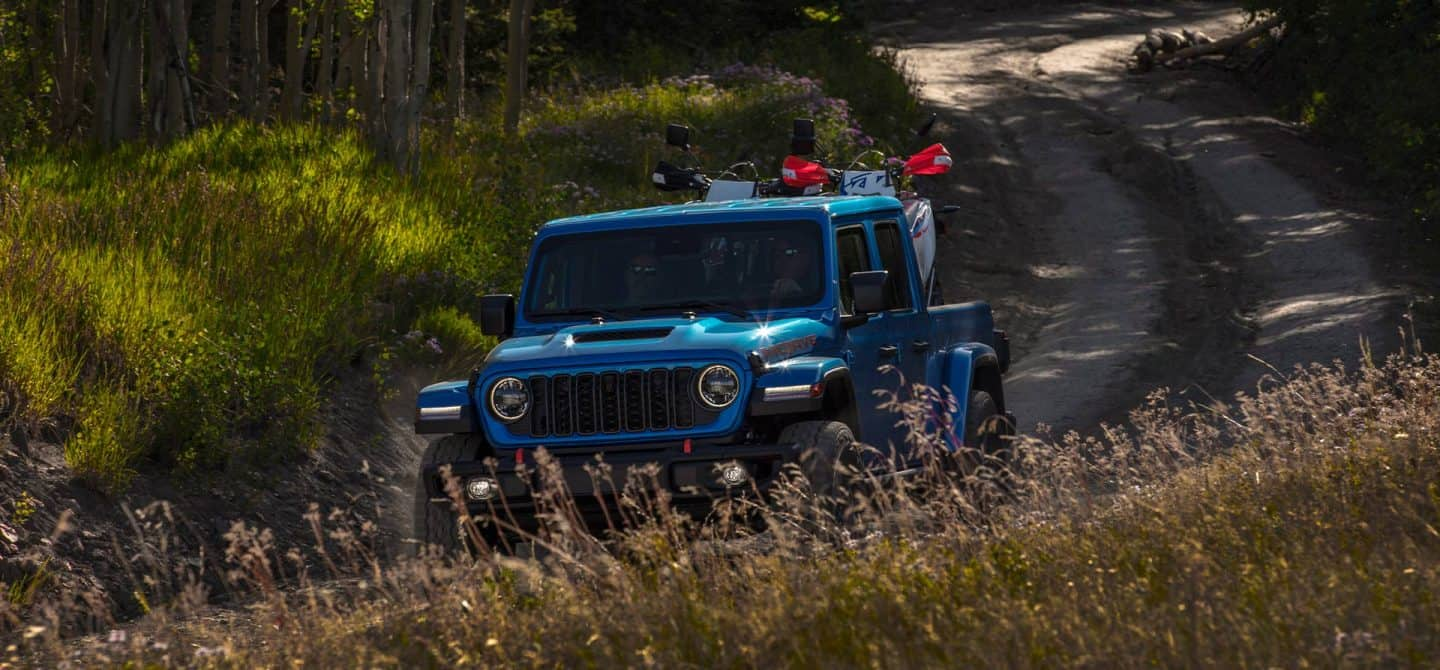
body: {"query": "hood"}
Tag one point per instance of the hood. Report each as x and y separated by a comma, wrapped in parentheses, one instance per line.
(660, 339)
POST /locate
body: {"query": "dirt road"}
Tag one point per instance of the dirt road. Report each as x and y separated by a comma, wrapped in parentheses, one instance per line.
(1136, 231)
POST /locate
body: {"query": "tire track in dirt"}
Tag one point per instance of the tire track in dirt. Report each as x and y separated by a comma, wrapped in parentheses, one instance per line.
(1153, 244)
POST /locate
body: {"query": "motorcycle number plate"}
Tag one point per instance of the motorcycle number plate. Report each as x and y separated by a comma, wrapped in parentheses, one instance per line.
(866, 182)
(726, 189)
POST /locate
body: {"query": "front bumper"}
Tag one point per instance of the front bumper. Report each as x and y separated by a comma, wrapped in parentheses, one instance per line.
(593, 479)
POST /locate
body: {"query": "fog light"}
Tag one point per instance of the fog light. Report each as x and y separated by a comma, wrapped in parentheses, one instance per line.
(481, 488)
(734, 474)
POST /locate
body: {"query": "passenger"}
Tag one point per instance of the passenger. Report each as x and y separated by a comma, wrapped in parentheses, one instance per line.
(792, 265)
(641, 278)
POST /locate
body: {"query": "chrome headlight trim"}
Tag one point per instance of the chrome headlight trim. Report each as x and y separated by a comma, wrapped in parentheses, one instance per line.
(717, 369)
(495, 407)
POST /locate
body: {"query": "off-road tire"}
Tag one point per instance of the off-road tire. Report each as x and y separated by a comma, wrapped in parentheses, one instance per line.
(829, 457)
(436, 523)
(985, 432)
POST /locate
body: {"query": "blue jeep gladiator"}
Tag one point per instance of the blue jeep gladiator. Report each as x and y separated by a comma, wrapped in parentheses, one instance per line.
(719, 341)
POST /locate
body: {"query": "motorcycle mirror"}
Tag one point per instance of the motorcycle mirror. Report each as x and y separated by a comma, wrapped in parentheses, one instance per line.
(677, 135)
(924, 129)
(802, 137)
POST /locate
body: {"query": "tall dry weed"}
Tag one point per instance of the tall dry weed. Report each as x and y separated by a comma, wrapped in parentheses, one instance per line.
(1292, 524)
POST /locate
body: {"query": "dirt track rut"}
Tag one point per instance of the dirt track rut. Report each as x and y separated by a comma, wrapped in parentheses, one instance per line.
(1136, 231)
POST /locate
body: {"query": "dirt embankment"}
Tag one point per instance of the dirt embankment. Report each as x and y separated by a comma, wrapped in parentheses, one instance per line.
(1136, 231)
(113, 557)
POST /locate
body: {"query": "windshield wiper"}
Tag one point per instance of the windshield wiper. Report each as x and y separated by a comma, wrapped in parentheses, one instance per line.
(728, 307)
(608, 315)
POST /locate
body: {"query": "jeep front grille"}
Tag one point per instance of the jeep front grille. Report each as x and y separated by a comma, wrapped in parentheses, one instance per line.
(613, 401)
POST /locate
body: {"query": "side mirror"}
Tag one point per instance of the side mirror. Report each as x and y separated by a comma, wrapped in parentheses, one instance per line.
(497, 315)
(802, 137)
(678, 136)
(924, 128)
(870, 290)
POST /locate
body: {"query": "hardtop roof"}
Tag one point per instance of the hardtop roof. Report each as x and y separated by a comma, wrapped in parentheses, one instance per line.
(835, 206)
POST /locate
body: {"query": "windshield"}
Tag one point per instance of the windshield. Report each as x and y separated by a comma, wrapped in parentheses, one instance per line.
(734, 267)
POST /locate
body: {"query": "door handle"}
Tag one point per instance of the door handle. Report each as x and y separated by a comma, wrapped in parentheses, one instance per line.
(889, 350)
(920, 345)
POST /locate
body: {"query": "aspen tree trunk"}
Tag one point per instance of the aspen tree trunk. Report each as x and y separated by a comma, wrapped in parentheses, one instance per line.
(325, 76)
(219, 74)
(350, 73)
(398, 58)
(115, 52)
(126, 51)
(100, 71)
(519, 47)
(171, 59)
(154, 70)
(419, 85)
(455, 64)
(376, 48)
(249, 56)
(67, 67)
(262, 70)
(298, 34)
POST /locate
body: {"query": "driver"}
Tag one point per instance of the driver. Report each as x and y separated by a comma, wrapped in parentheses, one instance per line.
(641, 278)
(791, 264)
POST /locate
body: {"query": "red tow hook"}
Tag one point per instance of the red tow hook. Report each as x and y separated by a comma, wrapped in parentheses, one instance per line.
(687, 445)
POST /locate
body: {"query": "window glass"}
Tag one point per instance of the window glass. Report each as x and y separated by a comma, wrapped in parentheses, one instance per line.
(749, 265)
(853, 256)
(888, 241)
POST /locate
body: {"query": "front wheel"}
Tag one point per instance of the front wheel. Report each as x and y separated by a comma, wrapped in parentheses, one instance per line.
(437, 523)
(829, 458)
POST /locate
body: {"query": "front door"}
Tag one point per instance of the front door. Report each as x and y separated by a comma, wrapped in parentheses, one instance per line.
(867, 345)
(907, 323)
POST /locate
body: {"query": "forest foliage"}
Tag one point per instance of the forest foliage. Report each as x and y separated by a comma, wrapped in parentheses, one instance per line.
(183, 300)
(1363, 72)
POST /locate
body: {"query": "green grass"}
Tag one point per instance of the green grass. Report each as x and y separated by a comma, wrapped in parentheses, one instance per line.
(185, 306)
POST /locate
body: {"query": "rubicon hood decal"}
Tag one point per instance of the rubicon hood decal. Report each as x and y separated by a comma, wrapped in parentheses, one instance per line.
(787, 349)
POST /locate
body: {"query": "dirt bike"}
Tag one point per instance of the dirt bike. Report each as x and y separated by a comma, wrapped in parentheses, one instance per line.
(801, 177)
(721, 185)
(893, 176)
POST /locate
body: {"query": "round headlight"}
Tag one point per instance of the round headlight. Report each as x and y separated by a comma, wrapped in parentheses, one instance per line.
(718, 386)
(509, 399)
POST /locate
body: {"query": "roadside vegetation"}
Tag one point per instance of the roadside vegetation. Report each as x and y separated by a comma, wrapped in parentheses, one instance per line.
(1362, 72)
(183, 306)
(1296, 526)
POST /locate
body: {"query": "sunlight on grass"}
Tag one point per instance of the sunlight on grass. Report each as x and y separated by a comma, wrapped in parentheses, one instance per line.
(184, 304)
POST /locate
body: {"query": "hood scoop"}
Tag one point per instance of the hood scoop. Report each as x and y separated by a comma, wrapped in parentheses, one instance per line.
(621, 335)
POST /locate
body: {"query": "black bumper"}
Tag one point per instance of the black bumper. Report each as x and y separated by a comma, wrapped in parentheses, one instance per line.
(692, 480)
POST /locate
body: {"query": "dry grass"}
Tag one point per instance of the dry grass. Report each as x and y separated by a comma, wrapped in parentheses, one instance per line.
(1295, 526)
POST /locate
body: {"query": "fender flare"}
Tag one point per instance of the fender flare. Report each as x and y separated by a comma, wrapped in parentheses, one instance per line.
(804, 384)
(962, 365)
(446, 407)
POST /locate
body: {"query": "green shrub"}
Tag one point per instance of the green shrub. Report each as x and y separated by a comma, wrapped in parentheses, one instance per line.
(182, 305)
(1363, 72)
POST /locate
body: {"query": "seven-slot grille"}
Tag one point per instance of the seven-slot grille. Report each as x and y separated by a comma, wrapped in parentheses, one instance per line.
(613, 401)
